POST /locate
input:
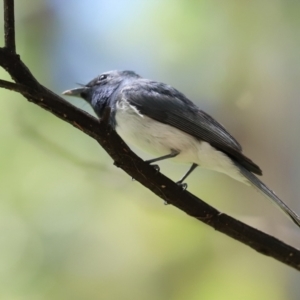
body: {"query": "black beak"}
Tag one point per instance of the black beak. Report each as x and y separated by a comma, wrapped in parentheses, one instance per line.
(76, 92)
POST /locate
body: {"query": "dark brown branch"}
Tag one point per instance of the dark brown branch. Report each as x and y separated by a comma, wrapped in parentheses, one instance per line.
(17, 70)
(158, 183)
(9, 25)
(124, 158)
(13, 86)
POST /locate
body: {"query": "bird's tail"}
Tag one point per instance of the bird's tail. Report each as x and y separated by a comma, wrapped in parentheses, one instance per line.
(261, 187)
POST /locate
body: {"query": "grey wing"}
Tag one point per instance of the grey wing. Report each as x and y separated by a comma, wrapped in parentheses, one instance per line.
(167, 105)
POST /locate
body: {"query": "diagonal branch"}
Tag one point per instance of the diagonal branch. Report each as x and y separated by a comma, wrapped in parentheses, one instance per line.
(9, 25)
(124, 158)
(157, 183)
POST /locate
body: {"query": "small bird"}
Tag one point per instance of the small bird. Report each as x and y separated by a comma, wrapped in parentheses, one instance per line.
(161, 120)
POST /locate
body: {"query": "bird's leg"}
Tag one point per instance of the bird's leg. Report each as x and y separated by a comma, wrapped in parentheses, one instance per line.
(156, 167)
(180, 182)
(170, 155)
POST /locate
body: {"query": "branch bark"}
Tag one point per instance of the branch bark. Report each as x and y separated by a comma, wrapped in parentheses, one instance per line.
(123, 157)
(9, 25)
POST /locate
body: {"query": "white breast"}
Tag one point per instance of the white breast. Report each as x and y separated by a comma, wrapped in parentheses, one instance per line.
(160, 139)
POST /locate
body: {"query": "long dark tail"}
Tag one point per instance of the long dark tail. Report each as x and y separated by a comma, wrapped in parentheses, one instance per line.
(261, 187)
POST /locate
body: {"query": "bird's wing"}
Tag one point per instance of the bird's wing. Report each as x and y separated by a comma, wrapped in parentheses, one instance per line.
(167, 105)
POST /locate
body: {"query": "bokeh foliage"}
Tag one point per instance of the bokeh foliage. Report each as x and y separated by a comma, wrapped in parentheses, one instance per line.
(72, 226)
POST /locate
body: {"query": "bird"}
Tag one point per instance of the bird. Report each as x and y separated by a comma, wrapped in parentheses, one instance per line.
(159, 119)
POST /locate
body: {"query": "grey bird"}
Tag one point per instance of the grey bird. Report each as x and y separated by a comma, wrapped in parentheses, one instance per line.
(161, 120)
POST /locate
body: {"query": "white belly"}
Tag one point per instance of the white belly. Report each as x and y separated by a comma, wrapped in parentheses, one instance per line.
(160, 139)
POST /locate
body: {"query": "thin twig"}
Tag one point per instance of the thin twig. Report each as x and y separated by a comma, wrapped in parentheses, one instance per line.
(9, 26)
(13, 86)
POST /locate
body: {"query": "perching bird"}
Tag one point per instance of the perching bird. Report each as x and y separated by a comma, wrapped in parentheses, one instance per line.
(159, 119)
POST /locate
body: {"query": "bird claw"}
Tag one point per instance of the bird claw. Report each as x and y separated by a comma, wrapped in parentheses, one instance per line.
(183, 185)
(156, 168)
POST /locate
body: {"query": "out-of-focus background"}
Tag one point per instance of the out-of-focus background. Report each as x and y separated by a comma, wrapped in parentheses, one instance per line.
(73, 226)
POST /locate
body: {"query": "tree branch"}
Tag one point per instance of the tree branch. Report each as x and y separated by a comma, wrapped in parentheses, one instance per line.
(9, 25)
(124, 158)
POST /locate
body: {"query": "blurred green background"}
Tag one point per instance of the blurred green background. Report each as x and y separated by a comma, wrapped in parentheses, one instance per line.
(72, 226)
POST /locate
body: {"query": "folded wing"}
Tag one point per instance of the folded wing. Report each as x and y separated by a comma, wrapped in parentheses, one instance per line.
(167, 105)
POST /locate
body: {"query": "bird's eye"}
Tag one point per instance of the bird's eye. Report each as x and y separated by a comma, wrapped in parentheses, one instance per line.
(102, 77)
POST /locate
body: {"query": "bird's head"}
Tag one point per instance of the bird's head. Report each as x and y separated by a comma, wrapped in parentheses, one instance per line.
(98, 92)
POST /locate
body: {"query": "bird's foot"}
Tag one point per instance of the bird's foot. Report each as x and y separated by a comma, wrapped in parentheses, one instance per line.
(156, 168)
(183, 185)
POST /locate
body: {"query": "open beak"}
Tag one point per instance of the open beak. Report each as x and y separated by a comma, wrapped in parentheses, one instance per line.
(75, 92)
